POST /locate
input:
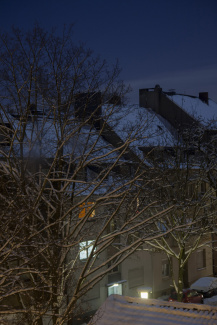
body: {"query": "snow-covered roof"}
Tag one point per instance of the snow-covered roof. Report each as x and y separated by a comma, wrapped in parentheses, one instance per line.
(140, 126)
(196, 108)
(42, 138)
(205, 284)
(145, 126)
(122, 310)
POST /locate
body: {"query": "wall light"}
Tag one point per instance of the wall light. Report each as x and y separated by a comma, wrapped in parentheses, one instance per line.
(144, 292)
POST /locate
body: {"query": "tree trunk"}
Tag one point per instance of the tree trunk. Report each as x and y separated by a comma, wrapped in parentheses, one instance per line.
(180, 284)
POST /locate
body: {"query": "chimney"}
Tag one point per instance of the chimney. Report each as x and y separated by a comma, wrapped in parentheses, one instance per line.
(157, 88)
(204, 97)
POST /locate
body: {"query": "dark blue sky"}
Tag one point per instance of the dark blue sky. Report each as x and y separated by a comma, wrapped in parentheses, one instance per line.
(167, 42)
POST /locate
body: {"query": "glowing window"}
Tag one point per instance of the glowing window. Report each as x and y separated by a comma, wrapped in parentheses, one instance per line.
(85, 209)
(85, 249)
(115, 289)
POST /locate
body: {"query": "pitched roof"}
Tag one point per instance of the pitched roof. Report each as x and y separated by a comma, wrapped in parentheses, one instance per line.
(140, 126)
(122, 310)
(196, 108)
(146, 127)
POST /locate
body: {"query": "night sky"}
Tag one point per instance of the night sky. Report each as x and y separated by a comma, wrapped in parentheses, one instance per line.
(167, 42)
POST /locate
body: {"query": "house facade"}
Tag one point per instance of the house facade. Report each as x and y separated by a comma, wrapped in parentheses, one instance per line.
(147, 269)
(81, 180)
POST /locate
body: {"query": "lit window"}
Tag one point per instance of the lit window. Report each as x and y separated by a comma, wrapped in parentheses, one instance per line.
(85, 208)
(115, 289)
(85, 249)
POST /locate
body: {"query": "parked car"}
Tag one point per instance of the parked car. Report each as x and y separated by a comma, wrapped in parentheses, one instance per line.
(206, 286)
(188, 296)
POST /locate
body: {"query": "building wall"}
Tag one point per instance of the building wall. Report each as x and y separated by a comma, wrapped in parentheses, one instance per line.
(214, 241)
(137, 270)
(161, 283)
(195, 271)
(142, 269)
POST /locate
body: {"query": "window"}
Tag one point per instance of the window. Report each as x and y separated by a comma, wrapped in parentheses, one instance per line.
(192, 191)
(85, 209)
(203, 188)
(115, 289)
(201, 259)
(85, 249)
(165, 268)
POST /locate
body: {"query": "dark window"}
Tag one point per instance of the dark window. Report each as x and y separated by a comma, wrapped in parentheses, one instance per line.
(201, 259)
(203, 188)
(165, 268)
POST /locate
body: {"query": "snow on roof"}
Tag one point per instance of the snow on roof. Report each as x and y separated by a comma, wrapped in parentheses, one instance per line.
(196, 108)
(122, 310)
(140, 126)
(42, 136)
(205, 284)
(145, 126)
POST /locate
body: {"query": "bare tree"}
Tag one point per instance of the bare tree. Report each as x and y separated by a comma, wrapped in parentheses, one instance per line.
(206, 145)
(183, 185)
(68, 181)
